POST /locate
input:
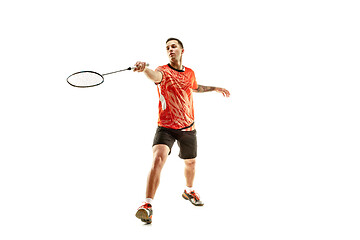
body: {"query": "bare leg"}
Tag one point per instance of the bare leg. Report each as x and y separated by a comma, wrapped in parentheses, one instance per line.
(193, 197)
(189, 171)
(160, 154)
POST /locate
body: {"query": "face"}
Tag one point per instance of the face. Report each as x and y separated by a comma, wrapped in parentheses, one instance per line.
(174, 50)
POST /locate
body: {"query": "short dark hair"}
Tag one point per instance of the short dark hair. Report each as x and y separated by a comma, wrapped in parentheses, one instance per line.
(170, 39)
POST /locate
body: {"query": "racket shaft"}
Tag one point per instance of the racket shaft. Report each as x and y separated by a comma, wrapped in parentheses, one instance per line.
(129, 68)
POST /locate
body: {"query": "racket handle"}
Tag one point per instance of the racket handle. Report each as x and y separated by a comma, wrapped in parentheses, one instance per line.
(132, 68)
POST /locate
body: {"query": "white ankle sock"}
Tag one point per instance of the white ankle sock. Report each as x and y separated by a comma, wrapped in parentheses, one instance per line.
(188, 189)
(148, 200)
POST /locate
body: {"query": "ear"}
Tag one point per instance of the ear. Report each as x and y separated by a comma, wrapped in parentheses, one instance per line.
(182, 51)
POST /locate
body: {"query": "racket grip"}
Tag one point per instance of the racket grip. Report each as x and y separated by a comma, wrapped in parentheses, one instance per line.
(132, 68)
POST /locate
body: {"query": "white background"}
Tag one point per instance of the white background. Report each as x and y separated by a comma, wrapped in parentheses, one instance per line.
(279, 159)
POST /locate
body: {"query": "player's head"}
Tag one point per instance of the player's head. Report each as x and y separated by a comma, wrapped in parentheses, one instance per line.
(175, 39)
(174, 48)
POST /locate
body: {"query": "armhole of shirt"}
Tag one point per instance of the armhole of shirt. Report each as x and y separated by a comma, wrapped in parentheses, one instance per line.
(162, 77)
(195, 82)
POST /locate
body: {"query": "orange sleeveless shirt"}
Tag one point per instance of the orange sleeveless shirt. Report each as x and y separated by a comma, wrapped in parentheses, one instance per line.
(176, 108)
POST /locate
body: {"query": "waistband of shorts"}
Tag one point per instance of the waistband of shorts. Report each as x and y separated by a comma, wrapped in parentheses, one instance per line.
(180, 129)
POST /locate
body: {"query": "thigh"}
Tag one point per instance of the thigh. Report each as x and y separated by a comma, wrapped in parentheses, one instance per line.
(160, 154)
(161, 150)
(163, 137)
(188, 145)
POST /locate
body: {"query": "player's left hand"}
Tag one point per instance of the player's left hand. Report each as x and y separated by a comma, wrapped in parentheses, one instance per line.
(224, 92)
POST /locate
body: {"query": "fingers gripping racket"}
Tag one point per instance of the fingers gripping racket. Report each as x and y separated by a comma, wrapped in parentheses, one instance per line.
(86, 79)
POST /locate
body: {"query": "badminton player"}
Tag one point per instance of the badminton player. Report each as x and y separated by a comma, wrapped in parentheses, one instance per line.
(175, 84)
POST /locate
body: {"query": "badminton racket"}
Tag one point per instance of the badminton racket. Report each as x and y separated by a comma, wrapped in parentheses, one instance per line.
(86, 79)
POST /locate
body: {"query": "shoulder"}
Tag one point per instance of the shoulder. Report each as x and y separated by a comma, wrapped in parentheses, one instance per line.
(189, 71)
(164, 71)
(162, 68)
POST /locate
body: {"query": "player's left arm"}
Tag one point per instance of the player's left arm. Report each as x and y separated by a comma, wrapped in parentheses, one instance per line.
(202, 89)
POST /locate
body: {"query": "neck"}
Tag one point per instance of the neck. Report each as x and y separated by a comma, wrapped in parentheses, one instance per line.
(177, 64)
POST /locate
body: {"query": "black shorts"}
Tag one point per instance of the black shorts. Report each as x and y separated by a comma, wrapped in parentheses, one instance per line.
(185, 139)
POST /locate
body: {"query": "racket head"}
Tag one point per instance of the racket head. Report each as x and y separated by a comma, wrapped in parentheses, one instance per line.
(85, 79)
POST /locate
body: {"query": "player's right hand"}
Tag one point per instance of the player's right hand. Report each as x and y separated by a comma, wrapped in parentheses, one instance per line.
(139, 66)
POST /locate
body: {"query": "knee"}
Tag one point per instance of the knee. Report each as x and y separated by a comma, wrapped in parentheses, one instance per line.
(190, 163)
(158, 162)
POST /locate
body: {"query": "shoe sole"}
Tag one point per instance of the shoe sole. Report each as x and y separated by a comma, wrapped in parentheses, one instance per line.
(142, 215)
(187, 198)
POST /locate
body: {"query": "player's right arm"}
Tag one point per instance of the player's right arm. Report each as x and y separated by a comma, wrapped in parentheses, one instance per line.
(154, 76)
